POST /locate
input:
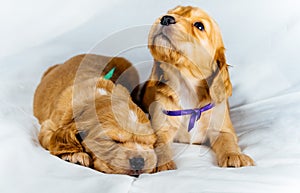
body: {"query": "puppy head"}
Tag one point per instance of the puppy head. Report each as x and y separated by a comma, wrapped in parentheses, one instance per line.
(117, 133)
(190, 39)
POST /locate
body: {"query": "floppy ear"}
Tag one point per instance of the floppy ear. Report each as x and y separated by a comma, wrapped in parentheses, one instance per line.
(220, 87)
(64, 140)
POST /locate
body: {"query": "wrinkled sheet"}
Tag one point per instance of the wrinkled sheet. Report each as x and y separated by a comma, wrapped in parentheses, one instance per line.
(262, 46)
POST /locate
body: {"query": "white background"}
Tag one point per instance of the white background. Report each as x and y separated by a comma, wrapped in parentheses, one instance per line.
(262, 42)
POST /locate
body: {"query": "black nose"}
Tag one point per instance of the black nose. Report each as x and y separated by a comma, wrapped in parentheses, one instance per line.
(137, 163)
(167, 20)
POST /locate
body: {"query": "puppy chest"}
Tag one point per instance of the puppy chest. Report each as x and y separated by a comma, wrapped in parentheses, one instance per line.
(187, 92)
(197, 135)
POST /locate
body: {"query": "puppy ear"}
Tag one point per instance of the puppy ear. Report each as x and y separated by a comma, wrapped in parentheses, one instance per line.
(64, 140)
(48, 127)
(220, 87)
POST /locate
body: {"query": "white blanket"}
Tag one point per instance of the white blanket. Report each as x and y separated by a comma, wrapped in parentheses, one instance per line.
(261, 38)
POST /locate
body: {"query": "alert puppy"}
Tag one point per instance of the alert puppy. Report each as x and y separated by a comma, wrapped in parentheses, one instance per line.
(189, 72)
(89, 120)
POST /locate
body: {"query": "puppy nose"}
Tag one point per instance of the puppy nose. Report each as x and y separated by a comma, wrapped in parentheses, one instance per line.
(167, 20)
(137, 163)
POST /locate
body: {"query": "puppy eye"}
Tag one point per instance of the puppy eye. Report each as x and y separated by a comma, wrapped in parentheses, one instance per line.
(199, 25)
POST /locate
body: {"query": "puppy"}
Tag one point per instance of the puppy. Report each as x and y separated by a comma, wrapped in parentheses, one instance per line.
(88, 120)
(189, 78)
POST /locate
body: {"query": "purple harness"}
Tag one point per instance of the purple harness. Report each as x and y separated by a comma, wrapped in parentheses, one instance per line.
(195, 114)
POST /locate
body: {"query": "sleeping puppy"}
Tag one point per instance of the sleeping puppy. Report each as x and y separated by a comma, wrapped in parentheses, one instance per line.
(189, 78)
(88, 120)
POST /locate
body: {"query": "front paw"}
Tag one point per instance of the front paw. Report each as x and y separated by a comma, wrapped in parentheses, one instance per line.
(235, 160)
(80, 158)
(167, 166)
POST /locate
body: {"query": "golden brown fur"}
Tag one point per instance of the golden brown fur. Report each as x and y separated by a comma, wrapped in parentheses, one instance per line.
(190, 71)
(88, 120)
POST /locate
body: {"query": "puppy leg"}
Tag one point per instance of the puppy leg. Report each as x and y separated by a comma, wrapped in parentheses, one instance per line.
(63, 143)
(165, 133)
(80, 158)
(228, 152)
(225, 144)
(163, 150)
(66, 145)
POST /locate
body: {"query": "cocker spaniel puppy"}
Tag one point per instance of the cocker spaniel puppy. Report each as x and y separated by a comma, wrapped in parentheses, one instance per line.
(88, 120)
(190, 81)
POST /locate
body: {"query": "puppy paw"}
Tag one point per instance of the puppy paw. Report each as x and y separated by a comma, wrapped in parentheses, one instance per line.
(80, 158)
(167, 166)
(235, 160)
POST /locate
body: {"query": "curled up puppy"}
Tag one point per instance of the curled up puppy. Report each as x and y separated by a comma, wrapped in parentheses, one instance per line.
(89, 120)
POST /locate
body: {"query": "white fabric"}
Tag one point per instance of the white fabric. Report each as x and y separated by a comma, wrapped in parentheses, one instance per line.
(261, 38)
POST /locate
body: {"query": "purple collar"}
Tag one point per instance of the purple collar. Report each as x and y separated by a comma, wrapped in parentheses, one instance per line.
(195, 114)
